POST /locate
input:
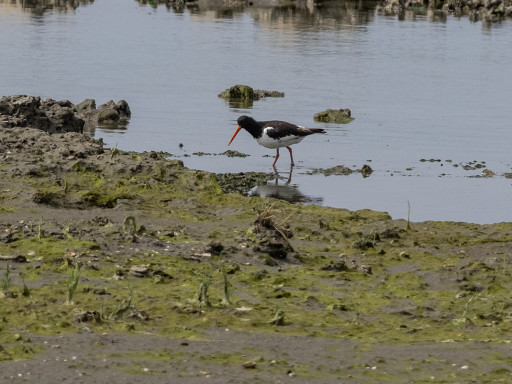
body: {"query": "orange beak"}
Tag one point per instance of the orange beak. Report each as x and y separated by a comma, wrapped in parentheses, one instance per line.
(236, 133)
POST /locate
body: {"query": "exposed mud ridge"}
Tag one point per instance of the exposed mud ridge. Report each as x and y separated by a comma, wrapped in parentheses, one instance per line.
(122, 267)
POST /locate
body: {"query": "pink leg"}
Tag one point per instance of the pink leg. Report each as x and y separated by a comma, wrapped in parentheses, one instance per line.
(291, 155)
(277, 157)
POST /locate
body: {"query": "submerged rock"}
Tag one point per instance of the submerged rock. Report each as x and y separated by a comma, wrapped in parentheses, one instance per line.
(338, 116)
(341, 170)
(366, 170)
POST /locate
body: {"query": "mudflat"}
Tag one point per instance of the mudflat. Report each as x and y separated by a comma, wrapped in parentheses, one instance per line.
(123, 267)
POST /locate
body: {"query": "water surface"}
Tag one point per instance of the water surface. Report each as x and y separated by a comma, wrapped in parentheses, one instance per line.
(425, 87)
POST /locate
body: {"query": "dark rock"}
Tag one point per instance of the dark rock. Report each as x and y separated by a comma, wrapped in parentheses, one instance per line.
(238, 92)
(108, 115)
(338, 116)
(113, 113)
(364, 243)
(245, 94)
(48, 115)
(60, 116)
(391, 233)
(87, 110)
(366, 170)
(215, 248)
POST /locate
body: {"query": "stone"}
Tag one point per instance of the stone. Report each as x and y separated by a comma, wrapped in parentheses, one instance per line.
(58, 116)
(108, 115)
(338, 116)
(244, 92)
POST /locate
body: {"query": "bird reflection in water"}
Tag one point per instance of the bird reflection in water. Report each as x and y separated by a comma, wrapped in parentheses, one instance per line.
(280, 188)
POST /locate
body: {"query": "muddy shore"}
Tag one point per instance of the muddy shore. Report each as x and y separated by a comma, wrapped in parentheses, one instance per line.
(120, 267)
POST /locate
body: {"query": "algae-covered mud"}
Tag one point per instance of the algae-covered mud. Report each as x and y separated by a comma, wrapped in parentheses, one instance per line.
(120, 266)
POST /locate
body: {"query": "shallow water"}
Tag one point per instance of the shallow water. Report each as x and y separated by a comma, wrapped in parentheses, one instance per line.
(429, 86)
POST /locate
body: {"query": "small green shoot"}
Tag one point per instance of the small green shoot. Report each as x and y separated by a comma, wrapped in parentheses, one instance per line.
(72, 282)
(118, 310)
(278, 318)
(67, 233)
(114, 153)
(39, 233)
(25, 292)
(201, 298)
(6, 279)
(130, 225)
(227, 286)
(463, 319)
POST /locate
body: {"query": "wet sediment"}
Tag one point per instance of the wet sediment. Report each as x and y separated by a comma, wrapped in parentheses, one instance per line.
(136, 248)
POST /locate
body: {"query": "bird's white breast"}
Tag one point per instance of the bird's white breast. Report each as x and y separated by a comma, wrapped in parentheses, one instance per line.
(269, 142)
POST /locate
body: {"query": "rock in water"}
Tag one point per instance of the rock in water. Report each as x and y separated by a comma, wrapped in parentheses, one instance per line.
(338, 116)
(61, 116)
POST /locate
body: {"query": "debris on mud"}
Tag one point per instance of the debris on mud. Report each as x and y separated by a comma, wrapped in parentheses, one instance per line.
(271, 235)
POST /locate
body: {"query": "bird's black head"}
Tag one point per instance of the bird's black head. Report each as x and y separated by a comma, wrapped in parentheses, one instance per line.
(246, 121)
(250, 125)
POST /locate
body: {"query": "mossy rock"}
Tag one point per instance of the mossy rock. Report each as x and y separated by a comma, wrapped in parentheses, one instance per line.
(338, 116)
(238, 92)
(245, 92)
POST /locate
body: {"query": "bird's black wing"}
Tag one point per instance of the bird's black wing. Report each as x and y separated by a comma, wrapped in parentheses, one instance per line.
(278, 129)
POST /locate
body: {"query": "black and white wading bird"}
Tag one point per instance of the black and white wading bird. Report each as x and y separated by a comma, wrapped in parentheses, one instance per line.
(274, 134)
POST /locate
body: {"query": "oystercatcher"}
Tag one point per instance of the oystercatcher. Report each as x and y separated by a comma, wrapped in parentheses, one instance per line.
(274, 134)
